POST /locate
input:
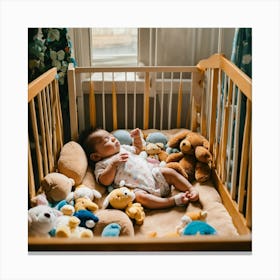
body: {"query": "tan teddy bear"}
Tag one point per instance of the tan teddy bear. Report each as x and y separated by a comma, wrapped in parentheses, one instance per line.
(194, 155)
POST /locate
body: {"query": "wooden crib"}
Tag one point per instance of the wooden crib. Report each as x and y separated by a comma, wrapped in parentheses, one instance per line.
(213, 98)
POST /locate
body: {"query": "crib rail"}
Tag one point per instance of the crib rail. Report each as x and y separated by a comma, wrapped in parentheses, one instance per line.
(229, 107)
(45, 131)
(150, 97)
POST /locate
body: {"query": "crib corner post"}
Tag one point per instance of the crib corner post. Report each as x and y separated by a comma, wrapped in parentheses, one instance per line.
(72, 101)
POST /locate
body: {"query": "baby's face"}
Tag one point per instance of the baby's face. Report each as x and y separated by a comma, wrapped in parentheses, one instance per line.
(105, 144)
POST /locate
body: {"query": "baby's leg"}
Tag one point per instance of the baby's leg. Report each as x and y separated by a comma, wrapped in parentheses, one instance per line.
(151, 201)
(180, 183)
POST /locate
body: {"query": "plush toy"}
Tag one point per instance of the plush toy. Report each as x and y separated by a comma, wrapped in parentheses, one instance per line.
(56, 186)
(188, 218)
(41, 220)
(84, 203)
(194, 155)
(87, 218)
(109, 216)
(39, 199)
(83, 197)
(111, 230)
(83, 191)
(199, 227)
(123, 136)
(154, 153)
(122, 199)
(156, 137)
(68, 226)
(65, 207)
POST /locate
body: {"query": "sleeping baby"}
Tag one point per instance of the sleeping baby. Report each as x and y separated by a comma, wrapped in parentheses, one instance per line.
(114, 163)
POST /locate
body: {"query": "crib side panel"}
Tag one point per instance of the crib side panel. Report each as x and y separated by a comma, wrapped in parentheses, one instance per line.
(228, 118)
(45, 128)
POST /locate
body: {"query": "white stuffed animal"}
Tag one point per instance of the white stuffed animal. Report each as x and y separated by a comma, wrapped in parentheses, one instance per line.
(83, 191)
(41, 220)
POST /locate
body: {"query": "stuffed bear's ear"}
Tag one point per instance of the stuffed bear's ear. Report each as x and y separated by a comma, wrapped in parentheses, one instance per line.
(177, 138)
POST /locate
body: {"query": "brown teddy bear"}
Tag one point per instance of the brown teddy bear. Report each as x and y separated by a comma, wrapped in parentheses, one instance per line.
(194, 155)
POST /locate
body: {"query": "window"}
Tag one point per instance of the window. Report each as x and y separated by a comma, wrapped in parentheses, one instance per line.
(114, 46)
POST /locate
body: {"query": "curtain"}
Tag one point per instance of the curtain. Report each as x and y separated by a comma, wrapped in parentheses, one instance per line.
(242, 57)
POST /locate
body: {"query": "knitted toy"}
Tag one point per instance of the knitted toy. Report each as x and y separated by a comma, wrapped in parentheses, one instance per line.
(41, 220)
(122, 199)
(194, 155)
(111, 230)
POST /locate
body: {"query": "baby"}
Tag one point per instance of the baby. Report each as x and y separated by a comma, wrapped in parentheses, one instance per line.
(115, 163)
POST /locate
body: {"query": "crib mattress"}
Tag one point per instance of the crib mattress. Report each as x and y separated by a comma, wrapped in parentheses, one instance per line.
(164, 221)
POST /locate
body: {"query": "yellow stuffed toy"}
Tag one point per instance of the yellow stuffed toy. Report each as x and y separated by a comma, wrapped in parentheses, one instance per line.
(68, 226)
(122, 198)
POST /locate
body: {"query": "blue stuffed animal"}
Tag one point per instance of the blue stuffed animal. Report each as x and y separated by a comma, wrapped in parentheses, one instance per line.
(111, 230)
(88, 219)
(198, 227)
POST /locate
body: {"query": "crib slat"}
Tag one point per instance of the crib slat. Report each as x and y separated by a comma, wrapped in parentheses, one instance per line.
(146, 100)
(49, 133)
(72, 102)
(170, 102)
(114, 106)
(244, 156)
(249, 189)
(236, 147)
(43, 134)
(225, 128)
(162, 97)
(125, 101)
(59, 128)
(214, 93)
(31, 182)
(36, 139)
(92, 105)
(179, 106)
(134, 101)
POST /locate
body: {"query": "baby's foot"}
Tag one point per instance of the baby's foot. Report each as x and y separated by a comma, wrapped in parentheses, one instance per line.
(181, 199)
(192, 194)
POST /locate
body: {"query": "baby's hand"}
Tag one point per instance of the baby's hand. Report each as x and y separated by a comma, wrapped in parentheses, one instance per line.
(192, 194)
(135, 133)
(119, 158)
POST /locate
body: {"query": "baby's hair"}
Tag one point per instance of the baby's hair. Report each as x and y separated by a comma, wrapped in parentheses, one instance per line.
(85, 143)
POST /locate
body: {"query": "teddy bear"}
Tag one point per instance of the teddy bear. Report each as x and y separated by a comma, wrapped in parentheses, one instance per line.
(56, 186)
(41, 220)
(194, 155)
(154, 153)
(122, 198)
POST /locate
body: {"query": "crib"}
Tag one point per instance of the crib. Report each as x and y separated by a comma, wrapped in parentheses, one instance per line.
(213, 98)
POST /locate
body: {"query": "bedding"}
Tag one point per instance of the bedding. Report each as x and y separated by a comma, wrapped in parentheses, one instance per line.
(157, 222)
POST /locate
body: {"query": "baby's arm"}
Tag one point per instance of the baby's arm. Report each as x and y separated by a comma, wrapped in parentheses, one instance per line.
(137, 141)
(107, 177)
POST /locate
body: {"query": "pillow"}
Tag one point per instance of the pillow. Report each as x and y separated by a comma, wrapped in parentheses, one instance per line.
(73, 162)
